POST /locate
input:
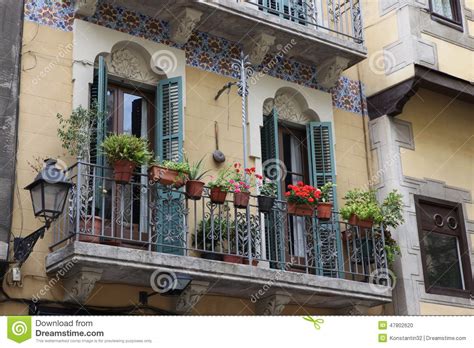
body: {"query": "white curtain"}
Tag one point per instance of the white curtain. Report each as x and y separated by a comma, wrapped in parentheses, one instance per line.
(298, 222)
(443, 8)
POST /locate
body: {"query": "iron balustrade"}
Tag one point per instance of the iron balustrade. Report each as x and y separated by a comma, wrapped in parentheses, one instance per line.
(146, 215)
(341, 18)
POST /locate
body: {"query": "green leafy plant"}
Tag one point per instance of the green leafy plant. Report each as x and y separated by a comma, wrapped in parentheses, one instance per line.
(195, 171)
(392, 210)
(326, 190)
(182, 167)
(78, 131)
(363, 204)
(267, 187)
(222, 179)
(126, 147)
(211, 231)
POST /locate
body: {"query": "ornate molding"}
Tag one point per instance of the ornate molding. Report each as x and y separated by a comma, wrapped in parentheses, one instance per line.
(79, 284)
(183, 25)
(129, 64)
(258, 47)
(355, 310)
(85, 8)
(272, 305)
(191, 296)
(287, 109)
(330, 70)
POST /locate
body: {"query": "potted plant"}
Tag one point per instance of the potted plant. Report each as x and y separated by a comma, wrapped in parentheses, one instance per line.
(220, 186)
(324, 207)
(124, 152)
(241, 182)
(268, 192)
(302, 199)
(169, 173)
(361, 208)
(194, 185)
(391, 218)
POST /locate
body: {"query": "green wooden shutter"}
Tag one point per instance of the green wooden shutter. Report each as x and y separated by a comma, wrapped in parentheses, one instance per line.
(275, 220)
(323, 170)
(170, 212)
(270, 152)
(99, 100)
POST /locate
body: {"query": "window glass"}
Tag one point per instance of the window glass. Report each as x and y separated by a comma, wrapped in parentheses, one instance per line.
(443, 8)
(132, 110)
(442, 260)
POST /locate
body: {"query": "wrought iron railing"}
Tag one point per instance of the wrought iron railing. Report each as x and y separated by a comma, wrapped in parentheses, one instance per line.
(146, 215)
(341, 18)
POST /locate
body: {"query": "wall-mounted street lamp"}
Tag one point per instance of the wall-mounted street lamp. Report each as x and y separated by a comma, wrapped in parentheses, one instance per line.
(48, 192)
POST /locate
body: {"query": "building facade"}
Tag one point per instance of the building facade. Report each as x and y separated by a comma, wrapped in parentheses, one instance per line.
(326, 100)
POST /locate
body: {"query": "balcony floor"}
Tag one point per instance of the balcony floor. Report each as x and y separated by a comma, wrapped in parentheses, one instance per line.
(134, 267)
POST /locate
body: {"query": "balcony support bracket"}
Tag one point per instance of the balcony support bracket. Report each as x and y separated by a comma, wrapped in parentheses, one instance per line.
(79, 283)
(183, 25)
(272, 305)
(330, 70)
(258, 47)
(85, 8)
(191, 296)
(356, 309)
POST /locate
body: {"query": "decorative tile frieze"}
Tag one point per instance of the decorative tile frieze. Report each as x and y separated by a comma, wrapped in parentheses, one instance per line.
(203, 51)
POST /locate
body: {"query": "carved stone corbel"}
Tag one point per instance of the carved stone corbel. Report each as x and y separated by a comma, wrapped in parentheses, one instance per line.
(191, 296)
(258, 47)
(79, 283)
(272, 305)
(183, 25)
(329, 71)
(85, 7)
(357, 309)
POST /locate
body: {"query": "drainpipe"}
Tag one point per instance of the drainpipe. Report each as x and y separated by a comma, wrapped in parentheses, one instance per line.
(368, 153)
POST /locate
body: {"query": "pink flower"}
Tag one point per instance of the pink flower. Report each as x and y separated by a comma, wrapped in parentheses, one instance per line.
(237, 190)
(231, 181)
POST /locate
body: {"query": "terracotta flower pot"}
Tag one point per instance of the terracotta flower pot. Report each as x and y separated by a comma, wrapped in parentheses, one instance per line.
(265, 203)
(355, 221)
(218, 195)
(91, 229)
(324, 211)
(233, 258)
(123, 171)
(194, 189)
(166, 176)
(300, 209)
(246, 262)
(241, 199)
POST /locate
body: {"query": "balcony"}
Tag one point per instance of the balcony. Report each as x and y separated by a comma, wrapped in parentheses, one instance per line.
(141, 227)
(314, 32)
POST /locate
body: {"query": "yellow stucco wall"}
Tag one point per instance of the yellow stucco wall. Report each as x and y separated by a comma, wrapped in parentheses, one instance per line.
(437, 309)
(443, 130)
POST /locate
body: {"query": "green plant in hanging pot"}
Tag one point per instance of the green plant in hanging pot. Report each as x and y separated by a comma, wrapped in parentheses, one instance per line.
(194, 185)
(361, 208)
(124, 152)
(325, 204)
(220, 185)
(268, 190)
(169, 172)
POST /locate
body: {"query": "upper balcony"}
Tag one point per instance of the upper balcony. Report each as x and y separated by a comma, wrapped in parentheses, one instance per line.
(123, 233)
(316, 32)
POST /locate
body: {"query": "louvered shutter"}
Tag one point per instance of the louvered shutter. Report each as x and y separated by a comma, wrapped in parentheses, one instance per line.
(99, 100)
(169, 215)
(269, 144)
(274, 221)
(321, 155)
(170, 120)
(322, 167)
